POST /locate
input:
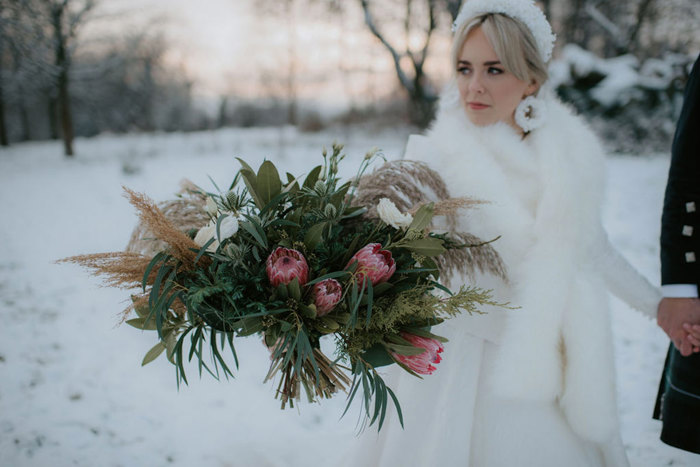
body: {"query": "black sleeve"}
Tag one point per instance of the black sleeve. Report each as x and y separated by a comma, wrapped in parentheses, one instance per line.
(680, 224)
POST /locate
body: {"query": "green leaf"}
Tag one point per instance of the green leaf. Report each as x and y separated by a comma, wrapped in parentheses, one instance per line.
(284, 222)
(170, 343)
(250, 326)
(396, 404)
(338, 197)
(377, 356)
(153, 353)
(354, 386)
(141, 323)
(422, 218)
(425, 333)
(251, 182)
(269, 184)
(429, 246)
(379, 289)
(354, 212)
(330, 323)
(276, 201)
(330, 275)
(218, 356)
(282, 292)
(255, 230)
(162, 256)
(384, 405)
(294, 289)
(407, 350)
(352, 249)
(204, 249)
(314, 235)
(370, 300)
(142, 309)
(312, 178)
(308, 311)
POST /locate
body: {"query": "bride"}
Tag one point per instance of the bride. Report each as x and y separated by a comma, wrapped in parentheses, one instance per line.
(531, 387)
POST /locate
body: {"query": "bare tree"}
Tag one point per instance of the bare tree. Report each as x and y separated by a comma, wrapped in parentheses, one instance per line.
(65, 17)
(422, 95)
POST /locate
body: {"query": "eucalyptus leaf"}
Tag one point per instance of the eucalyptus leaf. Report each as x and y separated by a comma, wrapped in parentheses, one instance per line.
(428, 246)
(152, 354)
(141, 323)
(422, 217)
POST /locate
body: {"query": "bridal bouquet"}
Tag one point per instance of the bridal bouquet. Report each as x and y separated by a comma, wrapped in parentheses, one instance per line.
(293, 261)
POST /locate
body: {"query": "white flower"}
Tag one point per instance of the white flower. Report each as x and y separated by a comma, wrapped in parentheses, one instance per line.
(228, 227)
(389, 213)
(211, 207)
(205, 234)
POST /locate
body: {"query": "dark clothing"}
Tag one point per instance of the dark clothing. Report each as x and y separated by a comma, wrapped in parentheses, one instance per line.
(678, 402)
(680, 222)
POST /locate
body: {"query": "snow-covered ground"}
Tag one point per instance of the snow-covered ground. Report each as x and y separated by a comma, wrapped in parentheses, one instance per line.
(71, 388)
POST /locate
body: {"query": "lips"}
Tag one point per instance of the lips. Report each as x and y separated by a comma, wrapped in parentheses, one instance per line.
(477, 105)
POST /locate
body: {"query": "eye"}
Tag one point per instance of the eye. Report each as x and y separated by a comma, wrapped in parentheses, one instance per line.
(463, 70)
(494, 71)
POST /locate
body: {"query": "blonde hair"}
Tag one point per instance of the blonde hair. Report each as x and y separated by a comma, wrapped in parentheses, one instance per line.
(511, 40)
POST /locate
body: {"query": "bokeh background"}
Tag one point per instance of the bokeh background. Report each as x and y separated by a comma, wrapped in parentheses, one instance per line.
(99, 94)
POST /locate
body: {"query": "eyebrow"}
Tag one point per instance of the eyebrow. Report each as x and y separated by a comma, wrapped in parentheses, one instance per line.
(466, 62)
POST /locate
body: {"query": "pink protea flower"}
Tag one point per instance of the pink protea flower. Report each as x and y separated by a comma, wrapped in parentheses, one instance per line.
(327, 294)
(283, 265)
(421, 363)
(375, 263)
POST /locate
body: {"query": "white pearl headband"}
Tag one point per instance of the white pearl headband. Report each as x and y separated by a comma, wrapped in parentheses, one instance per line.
(524, 10)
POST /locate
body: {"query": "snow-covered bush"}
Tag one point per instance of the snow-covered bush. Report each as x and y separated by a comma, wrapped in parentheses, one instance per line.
(633, 105)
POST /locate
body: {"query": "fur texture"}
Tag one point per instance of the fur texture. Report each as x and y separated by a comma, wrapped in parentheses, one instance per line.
(545, 194)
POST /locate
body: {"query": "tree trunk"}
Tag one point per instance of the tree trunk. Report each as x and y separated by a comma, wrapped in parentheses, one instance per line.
(65, 114)
(3, 127)
(3, 130)
(573, 27)
(222, 117)
(63, 64)
(53, 117)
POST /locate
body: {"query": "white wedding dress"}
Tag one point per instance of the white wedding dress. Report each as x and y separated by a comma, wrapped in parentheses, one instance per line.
(451, 419)
(555, 406)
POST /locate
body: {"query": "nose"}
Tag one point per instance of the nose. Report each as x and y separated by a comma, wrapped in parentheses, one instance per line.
(475, 85)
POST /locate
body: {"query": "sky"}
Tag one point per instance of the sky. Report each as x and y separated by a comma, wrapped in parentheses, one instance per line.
(232, 47)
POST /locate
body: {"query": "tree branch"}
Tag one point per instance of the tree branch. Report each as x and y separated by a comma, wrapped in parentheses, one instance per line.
(431, 27)
(405, 81)
(644, 9)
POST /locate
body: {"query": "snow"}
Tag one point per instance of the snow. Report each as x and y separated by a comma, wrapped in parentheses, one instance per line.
(71, 388)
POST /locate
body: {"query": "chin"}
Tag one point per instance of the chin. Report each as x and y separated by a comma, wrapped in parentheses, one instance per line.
(479, 120)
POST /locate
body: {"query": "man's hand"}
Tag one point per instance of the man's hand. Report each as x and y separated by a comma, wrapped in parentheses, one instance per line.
(673, 313)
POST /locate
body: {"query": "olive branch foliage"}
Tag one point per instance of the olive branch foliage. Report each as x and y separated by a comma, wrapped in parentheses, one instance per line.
(204, 303)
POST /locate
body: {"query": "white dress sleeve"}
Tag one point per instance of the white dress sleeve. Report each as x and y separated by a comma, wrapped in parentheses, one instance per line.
(626, 283)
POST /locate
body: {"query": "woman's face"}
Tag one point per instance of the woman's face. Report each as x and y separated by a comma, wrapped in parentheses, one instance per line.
(488, 92)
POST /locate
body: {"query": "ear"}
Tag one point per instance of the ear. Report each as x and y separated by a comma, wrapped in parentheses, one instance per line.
(531, 88)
